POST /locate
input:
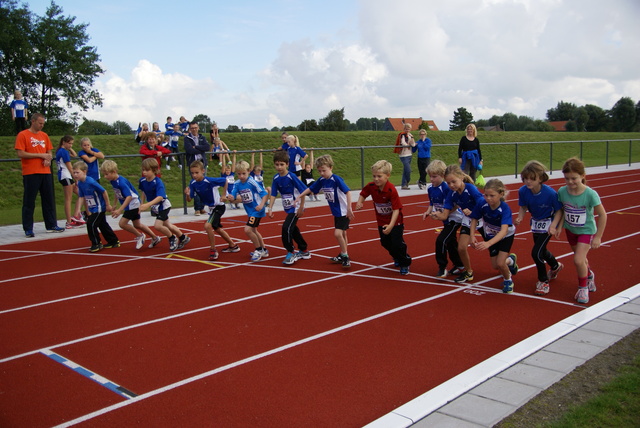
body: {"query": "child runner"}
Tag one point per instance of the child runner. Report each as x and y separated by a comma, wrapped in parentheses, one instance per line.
(338, 197)
(579, 202)
(290, 187)
(465, 196)
(156, 197)
(90, 155)
(446, 241)
(63, 160)
(207, 189)
(127, 196)
(96, 201)
(254, 198)
(498, 231)
(542, 202)
(388, 208)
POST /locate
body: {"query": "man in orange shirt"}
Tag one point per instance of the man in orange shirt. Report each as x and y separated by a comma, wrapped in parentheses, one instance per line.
(35, 150)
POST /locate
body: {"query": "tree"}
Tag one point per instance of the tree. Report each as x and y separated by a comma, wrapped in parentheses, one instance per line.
(563, 111)
(121, 127)
(623, 115)
(461, 118)
(95, 127)
(334, 121)
(15, 50)
(309, 125)
(233, 128)
(598, 120)
(581, 117)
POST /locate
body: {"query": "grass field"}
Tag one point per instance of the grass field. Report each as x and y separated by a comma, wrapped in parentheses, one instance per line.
(353, 153)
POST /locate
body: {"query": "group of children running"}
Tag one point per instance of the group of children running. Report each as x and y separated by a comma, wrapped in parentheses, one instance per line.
(453, 200)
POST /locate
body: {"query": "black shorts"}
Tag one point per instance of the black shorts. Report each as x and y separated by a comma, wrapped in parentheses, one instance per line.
(132, 215)
(215, 216)
(163, 215)
(503, 246)
(254, 221)
(341, 223)
(66, 182)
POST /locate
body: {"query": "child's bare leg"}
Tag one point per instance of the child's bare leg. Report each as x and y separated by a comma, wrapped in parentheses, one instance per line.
(210, 234)
(160, 227)
(580, 252)
(341, 237)
(223, 233)
(463, 244)
(144, 228)
(174, 229)
(254, 236)
(125, 225)
(499, 263)
(68, 194)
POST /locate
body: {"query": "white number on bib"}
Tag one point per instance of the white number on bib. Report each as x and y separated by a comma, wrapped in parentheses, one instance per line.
(576, 217)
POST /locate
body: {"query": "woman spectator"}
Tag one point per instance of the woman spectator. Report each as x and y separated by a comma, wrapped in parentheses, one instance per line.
(404, 148)
(469, 154)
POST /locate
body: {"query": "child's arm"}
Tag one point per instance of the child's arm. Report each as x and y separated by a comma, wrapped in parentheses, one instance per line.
(521, 213)
(306, 192)
(120, 210)
(253, 161)
(472, 228)
(261, 162)
(262, 203)
(155, 201)
(360, 203)
(233, 162)
(440, 215)
(187, 192)
(601, 224)
(105, 195)
(300, 211)
(504, 229)
(350, 214)
(387, 228)
(79, 206)
(88, 159)
(272, 200)
(556, 225)
(98, 155)
(427, 213)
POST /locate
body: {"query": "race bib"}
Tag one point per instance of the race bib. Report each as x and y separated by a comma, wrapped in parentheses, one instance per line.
(246, 196)
(384, 209)
(576, 217)
(540, 226)
(90, 201)
(287, 201)
(491, 229)
(438, 208)
(328, 194)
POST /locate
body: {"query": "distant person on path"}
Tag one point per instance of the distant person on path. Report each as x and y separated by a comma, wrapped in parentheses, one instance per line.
(404, 146)
(19, 112)
(35, 151)
(469, 154)
(423, 147)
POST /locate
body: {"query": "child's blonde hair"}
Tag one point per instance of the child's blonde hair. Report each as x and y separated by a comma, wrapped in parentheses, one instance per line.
(86, 139)
(436, 167)
(324, 160)
(497, 186)
(242, 166)
(383, 166)
(293, 138)
(80, 165)
(533, 170)
(109, 166)
(197, 164)
(575, 165)
(456, 171)
(150, 164)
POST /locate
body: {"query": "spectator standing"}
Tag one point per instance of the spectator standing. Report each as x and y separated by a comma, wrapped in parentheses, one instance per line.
(35, 151)
(404, 148)
(19, 112)
(469, 154)
(196, 147)
(423, 147)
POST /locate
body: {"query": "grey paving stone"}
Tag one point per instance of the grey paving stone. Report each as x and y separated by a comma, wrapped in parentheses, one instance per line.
(632, 307)
(623, 317)
(592, 337)
(610, 327)
(554, 361)
(477, 410)
(506, 391)
(444, 421)
(532, 375)
(573, 348)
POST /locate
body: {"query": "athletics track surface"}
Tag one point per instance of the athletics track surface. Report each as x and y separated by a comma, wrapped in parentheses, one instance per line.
(160, 338)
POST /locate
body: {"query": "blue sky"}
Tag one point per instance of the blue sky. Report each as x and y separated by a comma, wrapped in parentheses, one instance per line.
(261, 64)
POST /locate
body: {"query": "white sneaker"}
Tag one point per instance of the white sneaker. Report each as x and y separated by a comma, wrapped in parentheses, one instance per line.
(168, 167)
(140, 241)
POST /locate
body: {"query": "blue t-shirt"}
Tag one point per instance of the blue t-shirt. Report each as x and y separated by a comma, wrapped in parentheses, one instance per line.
(468, 199)
(19, 107)
(231, 179)
(437, 196)
(251, 194)
(423, 147)
(494, 219)
(207, 190)
(123, 189)
(541, 205)
(335, 192)
(93, 169)
(152, 189)
(174, 138)
(295, 155)
(62, 157)
(93, 194)
(290, 187)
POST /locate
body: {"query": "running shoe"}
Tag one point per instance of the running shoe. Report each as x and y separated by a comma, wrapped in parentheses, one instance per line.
(542, 288)
(305, 255)
(591, 281)
(56, 229)
(457, 270)
(464, 277)
(71, 225)
(404, 270)
(79, 219)
(507, 286)
(213, 254)
(513, 268)
(140, 241)
(553, 273)
(184, 240)
(112, 245)
(290, 259)
(95, 248)
(582, 296)
(256, 255)
(231, 249)
(29, 233)
(346, 263)
(197, 212)
(265, 253)
(442, 273)
(173, 243)
(337, 259)
(155, 242)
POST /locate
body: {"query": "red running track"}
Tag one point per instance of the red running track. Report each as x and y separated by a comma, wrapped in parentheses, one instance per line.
(232, 343)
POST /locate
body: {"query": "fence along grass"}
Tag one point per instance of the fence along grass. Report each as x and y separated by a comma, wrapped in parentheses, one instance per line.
(353, 153)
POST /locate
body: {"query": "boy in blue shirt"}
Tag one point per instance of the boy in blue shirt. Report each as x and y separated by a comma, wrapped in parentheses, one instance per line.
(290, 187)
(207, 189)
(338, 197)
(129, 201)
(254, 198)
(96, 202)
(156, 196)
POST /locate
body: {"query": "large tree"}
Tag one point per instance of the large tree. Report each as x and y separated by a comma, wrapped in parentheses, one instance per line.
(15, 50)
(461, 118)
(334, 121)
(563, 111)
(623, 115)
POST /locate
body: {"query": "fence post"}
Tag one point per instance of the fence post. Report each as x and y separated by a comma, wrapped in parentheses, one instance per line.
(629, 152)
(184, 183)
(362, 167)
(607, 156)
(551, 157)
(516, 172)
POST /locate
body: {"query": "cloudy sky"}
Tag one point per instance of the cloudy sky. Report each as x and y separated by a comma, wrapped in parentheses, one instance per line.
(257, 63)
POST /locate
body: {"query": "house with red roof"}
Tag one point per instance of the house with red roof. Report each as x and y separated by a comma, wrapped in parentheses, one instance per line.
(559, 125)
(397, 124)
